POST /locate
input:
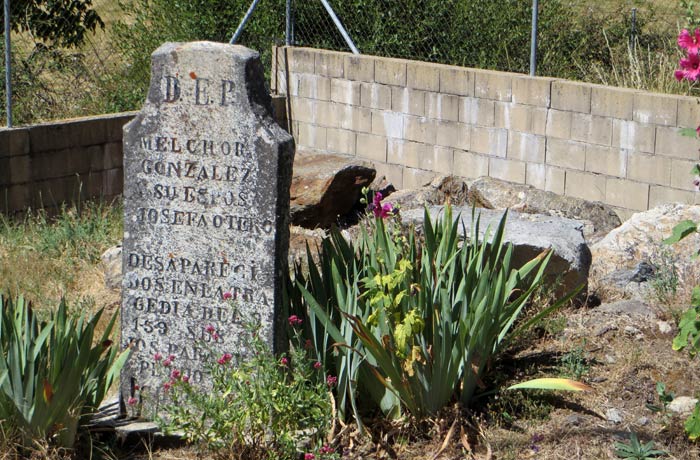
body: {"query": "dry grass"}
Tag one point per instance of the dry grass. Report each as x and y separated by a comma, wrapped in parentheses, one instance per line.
(46, 259)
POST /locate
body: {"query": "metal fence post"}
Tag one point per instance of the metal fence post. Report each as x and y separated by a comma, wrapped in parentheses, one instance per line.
(288, 24)
(340, 27)
(8, 66)
(533, 39)
(633, 34)
(239, 30)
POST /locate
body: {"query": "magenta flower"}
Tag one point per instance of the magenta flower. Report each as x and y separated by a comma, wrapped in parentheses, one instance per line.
(294, 320)
(227, 296)
(689, 42)
(210, 329)
(167, 386)
(132, 401)
(309, 456)
(317, 365)
(157, 357)
(326, 449)
(690, 68)
(380, 210)
(331, 380)
(284, 361)
(175, 374)
(185, 378)
(167, 362)
(171, 357)
(225, 358)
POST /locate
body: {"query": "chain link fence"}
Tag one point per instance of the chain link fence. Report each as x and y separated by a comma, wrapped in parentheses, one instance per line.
(59, 60)
(623, 43)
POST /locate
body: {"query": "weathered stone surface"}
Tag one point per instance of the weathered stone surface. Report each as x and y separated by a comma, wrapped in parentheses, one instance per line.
(530, 234)
(628, 308)
(598, 218)
(299, 238)
(206, 205)
(441, 190)
(112, 267)
(326, 187)
(639, 240)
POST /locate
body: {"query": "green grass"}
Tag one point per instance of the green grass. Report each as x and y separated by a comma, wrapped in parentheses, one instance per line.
(46, 258)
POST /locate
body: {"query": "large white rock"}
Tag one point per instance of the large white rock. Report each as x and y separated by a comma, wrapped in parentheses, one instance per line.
(530, 234)
(640, 239)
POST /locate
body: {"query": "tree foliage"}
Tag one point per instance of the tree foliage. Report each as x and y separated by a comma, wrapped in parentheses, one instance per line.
(61, 23)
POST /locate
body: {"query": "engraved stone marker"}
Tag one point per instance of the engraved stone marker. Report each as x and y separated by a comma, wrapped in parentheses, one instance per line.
(206, 203)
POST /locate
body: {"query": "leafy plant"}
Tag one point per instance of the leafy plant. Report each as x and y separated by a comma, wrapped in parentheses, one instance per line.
(634, 450)
(416, 323)
(263, 406)
(53, 374)
(574, 364)
(665, 397)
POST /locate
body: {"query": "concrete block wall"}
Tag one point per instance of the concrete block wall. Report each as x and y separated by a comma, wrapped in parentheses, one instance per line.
(49, 164)
(414, 120)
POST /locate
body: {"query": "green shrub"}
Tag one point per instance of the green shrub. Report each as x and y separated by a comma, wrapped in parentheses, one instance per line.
(409, 325)
(262, 407)
(53, 374)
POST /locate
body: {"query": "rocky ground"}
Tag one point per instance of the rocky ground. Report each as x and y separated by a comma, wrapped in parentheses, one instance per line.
(617, 340)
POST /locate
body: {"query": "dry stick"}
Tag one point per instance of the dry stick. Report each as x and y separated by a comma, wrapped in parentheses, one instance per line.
(448, 438)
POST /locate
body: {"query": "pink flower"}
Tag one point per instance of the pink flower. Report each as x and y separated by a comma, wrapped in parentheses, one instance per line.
(331, 380)
(175, 374)
(326, 449)
(171, 357)
(157, 357)
(294, 320)
(309, 456)
(167, 386)
(167, 362)
(689, 42)
(284, 361)
(185, 378)
(225, 358)
(227, 296)
(690, 68)
(132, 401)
(137, 388)
(317, 365)
(210, 329)
(380, 210)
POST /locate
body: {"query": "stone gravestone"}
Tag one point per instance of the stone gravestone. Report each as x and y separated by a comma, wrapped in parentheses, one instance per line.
(206, 202)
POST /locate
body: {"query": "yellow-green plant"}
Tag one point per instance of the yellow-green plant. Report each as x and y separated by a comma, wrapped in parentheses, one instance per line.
(53, 374)
(416, 324)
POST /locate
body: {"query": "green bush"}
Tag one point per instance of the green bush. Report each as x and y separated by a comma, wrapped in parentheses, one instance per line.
(408, 325)
(262, 407)
(53, 374)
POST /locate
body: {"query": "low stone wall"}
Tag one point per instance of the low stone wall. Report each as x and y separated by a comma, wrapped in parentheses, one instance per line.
(45, 165)
(416, 119)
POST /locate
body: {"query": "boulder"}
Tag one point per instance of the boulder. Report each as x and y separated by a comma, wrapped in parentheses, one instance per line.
(633, 254)
(326, 187)
(299, 238)
(112, 267)
(598, 218)
(441, 190)
(530, 234)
